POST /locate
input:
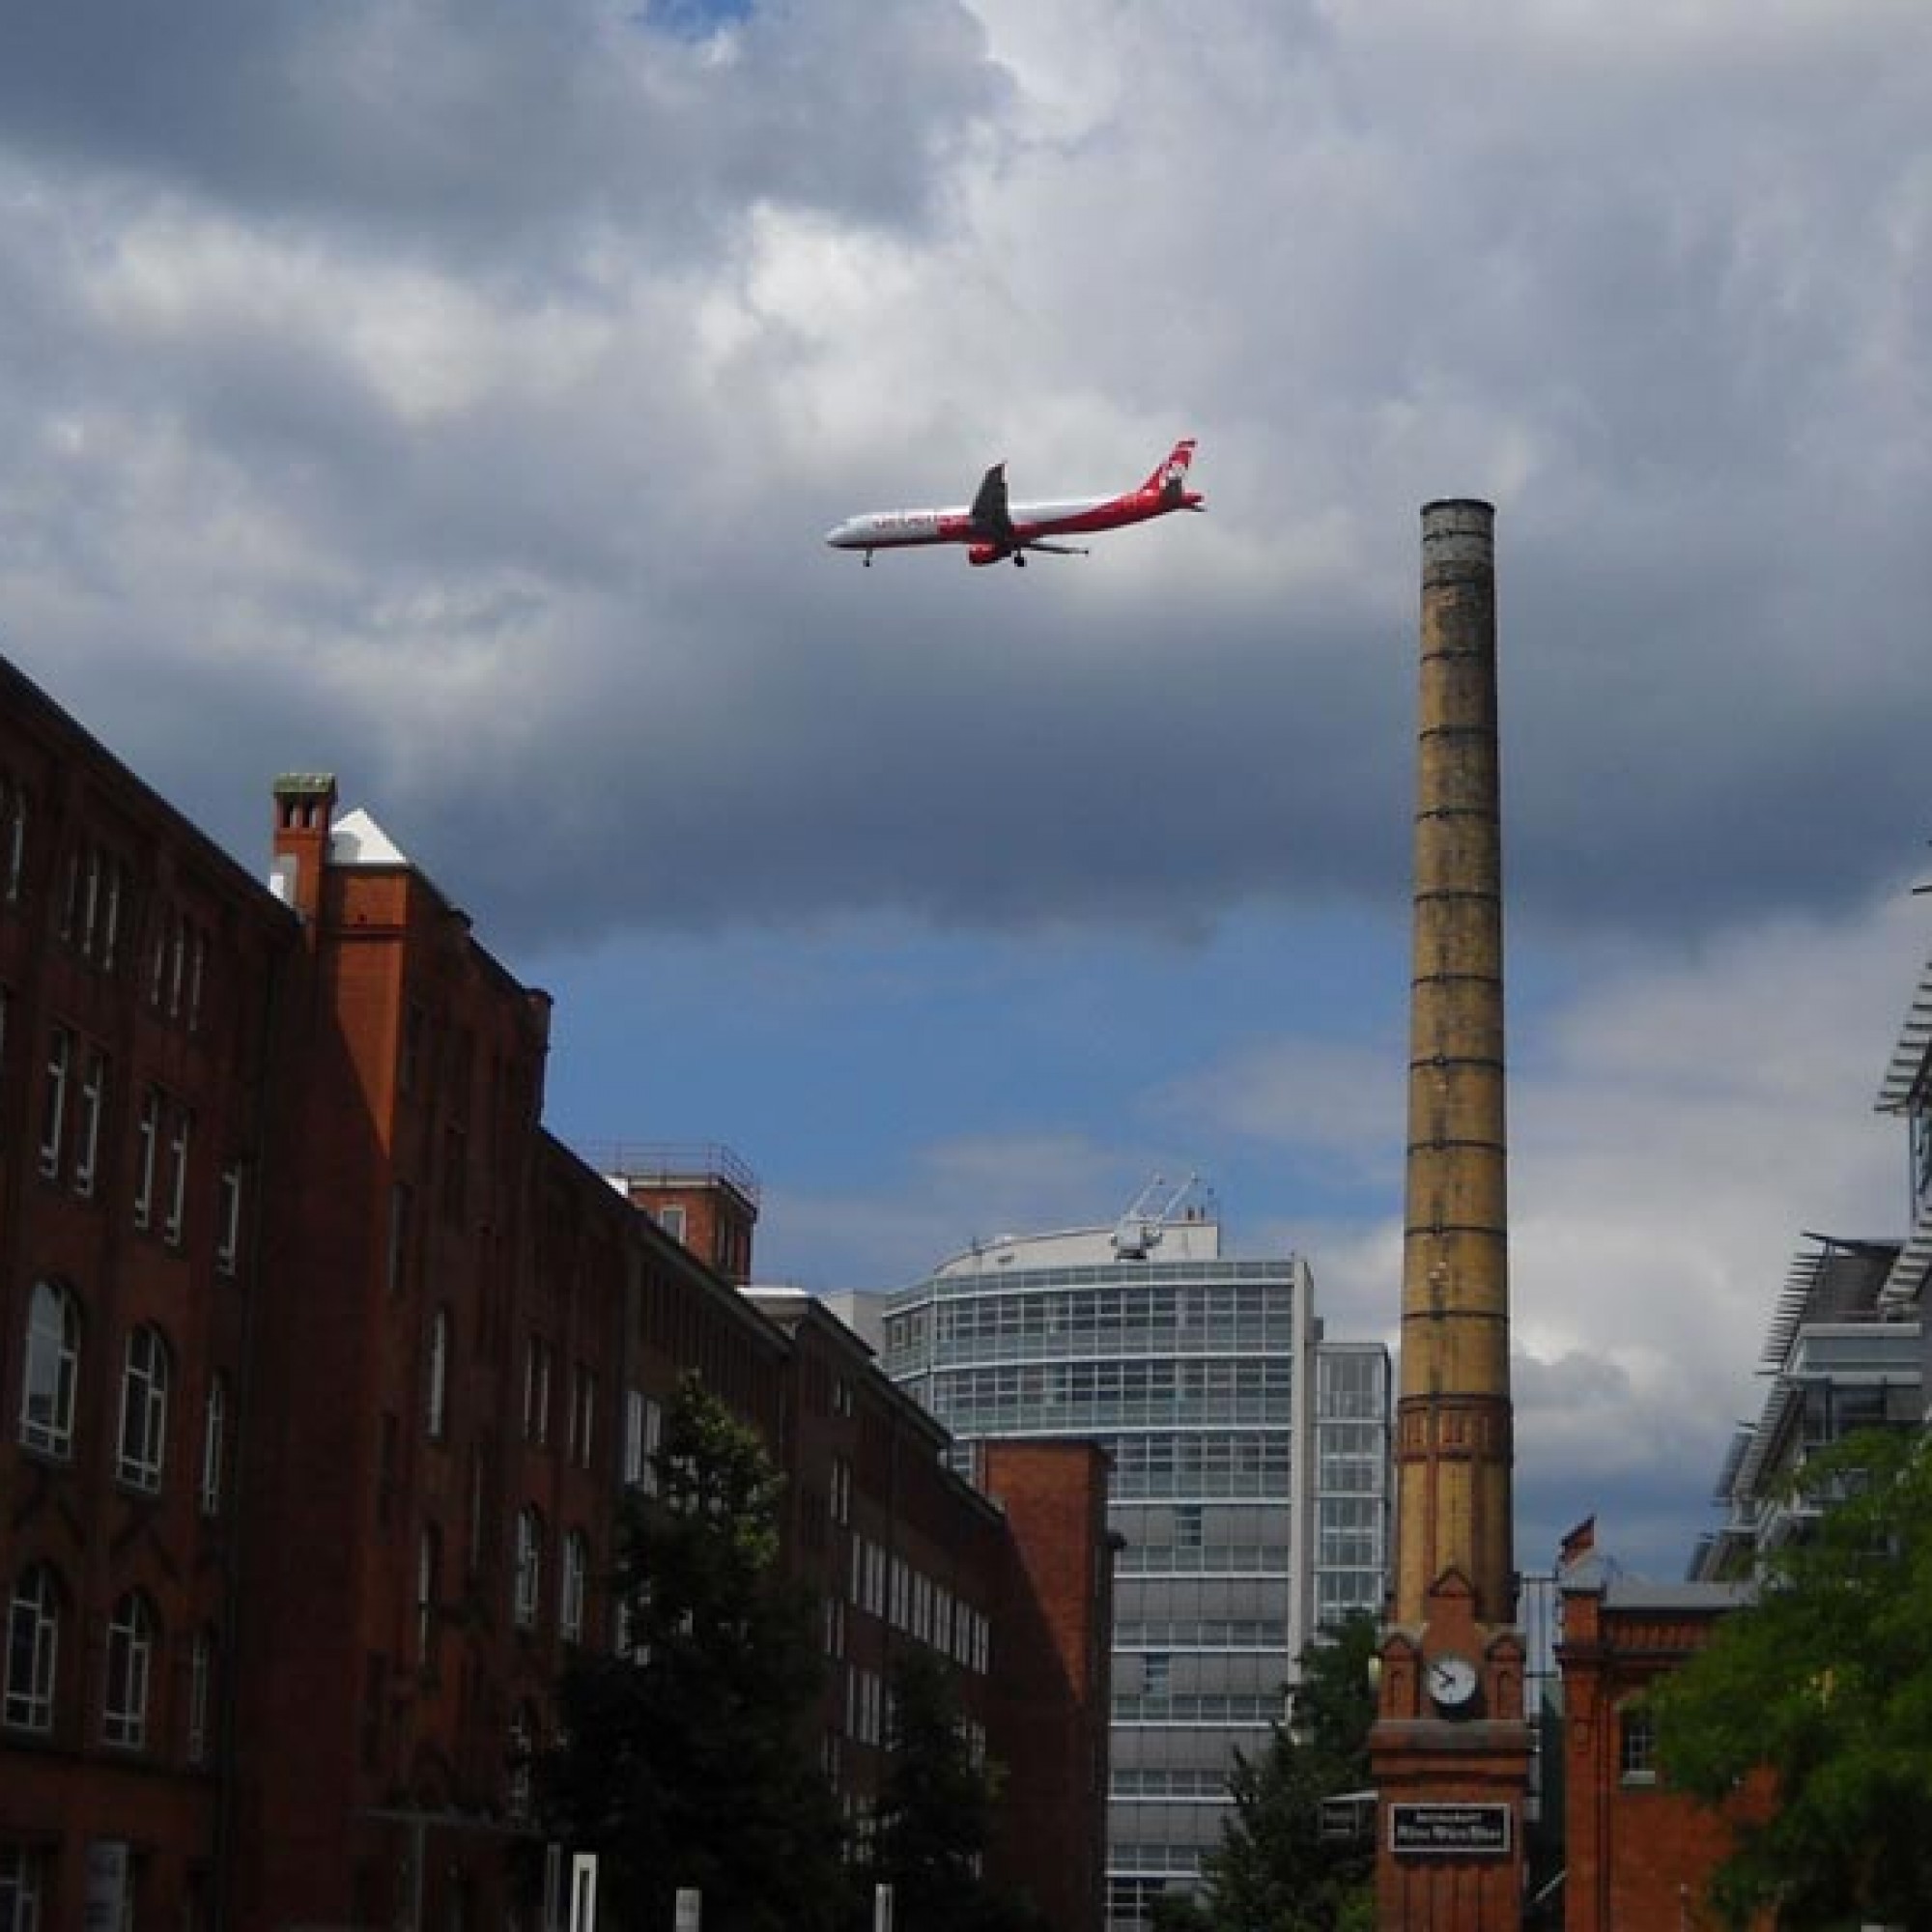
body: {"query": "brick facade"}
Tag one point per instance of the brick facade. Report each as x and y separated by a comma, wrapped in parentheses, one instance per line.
(1638, 1856)
(325, 1370)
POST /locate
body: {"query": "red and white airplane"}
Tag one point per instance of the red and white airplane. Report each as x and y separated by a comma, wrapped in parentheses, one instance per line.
(992, 529)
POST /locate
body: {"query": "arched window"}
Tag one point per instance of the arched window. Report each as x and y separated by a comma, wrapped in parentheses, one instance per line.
(143, 1409)
(527, 1584)
(33, 1650)
(436, 1395)
(52, 1369)
(573, 1574)
(214, 1444)
(131, 1668)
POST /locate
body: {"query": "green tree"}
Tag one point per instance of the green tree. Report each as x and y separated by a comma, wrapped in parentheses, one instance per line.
(936, 1808)
(1825, 1683)
(688, 1760)
(1273, 1869)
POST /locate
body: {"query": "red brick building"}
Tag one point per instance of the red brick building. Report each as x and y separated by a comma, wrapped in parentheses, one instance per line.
(1638, 1856)
(1012, 1581)
(136, 964)
(326, 1369)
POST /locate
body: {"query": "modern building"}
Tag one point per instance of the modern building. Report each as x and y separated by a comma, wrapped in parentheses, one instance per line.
(1349, 1559)
(1204, 1381)
(1906, 1090)
(1840, 1358)
(1844, 1349)
(324, 1369)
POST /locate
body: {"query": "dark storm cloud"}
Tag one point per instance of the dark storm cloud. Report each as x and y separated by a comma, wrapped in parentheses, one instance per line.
(480, 380)
(494, 126)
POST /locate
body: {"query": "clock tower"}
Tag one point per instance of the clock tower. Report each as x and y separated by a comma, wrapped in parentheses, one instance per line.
(1451, 1746)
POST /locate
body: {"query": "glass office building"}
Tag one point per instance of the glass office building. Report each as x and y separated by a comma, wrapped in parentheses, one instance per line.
(1205, 1380)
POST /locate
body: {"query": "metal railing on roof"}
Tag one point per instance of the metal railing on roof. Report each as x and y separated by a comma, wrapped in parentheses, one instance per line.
(663, 1163)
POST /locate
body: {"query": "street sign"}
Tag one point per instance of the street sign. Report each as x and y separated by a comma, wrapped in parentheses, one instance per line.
(1450, 1831)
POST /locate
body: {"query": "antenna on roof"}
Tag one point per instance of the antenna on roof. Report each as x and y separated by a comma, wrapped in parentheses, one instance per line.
(1140, 1229)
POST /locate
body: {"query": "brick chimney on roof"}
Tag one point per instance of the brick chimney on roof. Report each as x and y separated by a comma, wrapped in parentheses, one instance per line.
(304, 817)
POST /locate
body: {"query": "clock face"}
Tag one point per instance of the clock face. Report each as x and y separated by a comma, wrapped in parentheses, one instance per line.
(1451, 1680)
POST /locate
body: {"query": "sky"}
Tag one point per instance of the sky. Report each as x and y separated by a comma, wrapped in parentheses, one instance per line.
(454, 397)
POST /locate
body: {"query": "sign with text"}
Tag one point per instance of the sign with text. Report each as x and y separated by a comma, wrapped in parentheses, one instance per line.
(1450, 1831)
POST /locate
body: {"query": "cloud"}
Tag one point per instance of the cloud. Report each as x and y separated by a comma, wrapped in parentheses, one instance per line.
(1677, 1124)
(455, 399)
(496, 135)
(371, 363)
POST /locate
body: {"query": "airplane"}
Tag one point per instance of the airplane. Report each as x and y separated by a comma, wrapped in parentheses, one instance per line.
(992, 529)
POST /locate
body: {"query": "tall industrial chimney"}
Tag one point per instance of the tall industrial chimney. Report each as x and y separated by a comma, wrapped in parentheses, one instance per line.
(1450, 1747)
(1453, 1435)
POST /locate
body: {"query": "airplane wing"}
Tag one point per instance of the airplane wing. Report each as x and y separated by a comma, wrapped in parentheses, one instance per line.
(989, 506)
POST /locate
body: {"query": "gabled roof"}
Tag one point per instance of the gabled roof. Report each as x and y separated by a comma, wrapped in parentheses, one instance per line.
(356, 839)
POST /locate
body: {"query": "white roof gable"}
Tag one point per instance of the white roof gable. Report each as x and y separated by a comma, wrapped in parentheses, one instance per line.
(356, 839)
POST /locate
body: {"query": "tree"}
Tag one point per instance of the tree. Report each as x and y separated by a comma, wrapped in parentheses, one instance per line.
(688, 1760)
(1273, 1867)
(936, 1807)
(1822, 1688)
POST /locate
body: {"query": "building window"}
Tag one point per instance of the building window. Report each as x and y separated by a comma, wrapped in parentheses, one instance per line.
(144, 1410)
(200, 1694)
(51, 1370)
(582, 1415)
(574, 1576)
(214, 1444)
(180, 1132)
(22, 1891)
(228, 1227)
(522, 1757)
(429, 1570)
(53, 1098)
(13, 859)
(671, 1218)
(479, 1471)
(197, 977)
(1637, 1745)
(526, 1584)
(92, 1099)
(130, 1661)
(176, 967)
(436, 1396)
(33, 1650)
(99, 886)
(537, 1391)
(146, 1155)
(643, 1431)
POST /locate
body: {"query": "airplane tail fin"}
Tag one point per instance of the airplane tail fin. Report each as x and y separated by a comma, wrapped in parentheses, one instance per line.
(1170, 476)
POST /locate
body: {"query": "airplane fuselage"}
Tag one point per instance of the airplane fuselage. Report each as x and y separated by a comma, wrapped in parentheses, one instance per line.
(907, 529)
(992, 529)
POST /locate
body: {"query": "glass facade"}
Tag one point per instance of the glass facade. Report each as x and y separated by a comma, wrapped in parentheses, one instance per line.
(1197, 1375)
(1352, 1479)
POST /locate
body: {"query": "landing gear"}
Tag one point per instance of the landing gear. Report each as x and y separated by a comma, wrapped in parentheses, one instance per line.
(1020, 559)
(869, 559)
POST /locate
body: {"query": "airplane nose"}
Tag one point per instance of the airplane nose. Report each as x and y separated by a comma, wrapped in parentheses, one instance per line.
(840, 535)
